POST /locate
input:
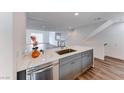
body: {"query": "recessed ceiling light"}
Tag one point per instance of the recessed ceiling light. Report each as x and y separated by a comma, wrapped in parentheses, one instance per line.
(76, 14)
(98, 18)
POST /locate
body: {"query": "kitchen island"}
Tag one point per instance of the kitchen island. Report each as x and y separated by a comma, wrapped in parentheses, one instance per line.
(79, 59)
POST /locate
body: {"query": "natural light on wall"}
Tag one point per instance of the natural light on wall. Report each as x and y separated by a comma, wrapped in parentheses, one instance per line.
(52, 38)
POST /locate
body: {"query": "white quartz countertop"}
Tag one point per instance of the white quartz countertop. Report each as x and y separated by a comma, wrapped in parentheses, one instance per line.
(50, 55)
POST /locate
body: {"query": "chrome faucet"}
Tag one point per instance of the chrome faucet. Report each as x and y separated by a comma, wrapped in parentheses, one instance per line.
(61, 44)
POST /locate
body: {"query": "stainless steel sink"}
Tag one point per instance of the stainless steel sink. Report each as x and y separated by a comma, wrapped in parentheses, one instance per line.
(65, 51)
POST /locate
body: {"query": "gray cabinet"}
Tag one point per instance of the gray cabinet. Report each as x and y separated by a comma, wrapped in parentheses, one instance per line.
(85, 62)
(70, 67)
(76, 66)
(66, 71)
(87, 59)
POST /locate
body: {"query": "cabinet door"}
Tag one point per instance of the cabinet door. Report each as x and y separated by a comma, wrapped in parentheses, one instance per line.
(76, 64)
(90, 57)
(84, 61)
(87, 59)
(66, 71)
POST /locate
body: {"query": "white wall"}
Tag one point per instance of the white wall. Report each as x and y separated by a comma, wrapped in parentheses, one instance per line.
(12, 39)
(52, 38)
(6, 46)
(19, 36)
(114, 36)
(98, 47)
(77, 36)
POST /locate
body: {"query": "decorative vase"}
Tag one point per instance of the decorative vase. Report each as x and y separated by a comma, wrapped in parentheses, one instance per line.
(35, 52)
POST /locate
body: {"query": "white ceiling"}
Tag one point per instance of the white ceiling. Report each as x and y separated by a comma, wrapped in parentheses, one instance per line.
(65, 20)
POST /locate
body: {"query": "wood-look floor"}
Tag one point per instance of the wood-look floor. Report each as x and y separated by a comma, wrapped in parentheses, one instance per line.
(109, 69)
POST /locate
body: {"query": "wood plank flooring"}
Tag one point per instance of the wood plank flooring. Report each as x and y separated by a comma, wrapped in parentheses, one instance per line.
(109, 69)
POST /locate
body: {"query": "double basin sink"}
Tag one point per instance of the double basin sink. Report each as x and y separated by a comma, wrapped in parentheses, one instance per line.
(65, 51)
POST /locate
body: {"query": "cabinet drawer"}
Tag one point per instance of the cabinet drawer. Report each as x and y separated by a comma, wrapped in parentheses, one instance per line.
(69, 59)
(66, 72)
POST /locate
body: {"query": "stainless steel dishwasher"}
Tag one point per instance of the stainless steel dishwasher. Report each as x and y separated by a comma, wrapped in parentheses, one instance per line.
(43, 72)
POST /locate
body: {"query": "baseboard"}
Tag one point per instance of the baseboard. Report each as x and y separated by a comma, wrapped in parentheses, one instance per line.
(114, 58)
(98, 59)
